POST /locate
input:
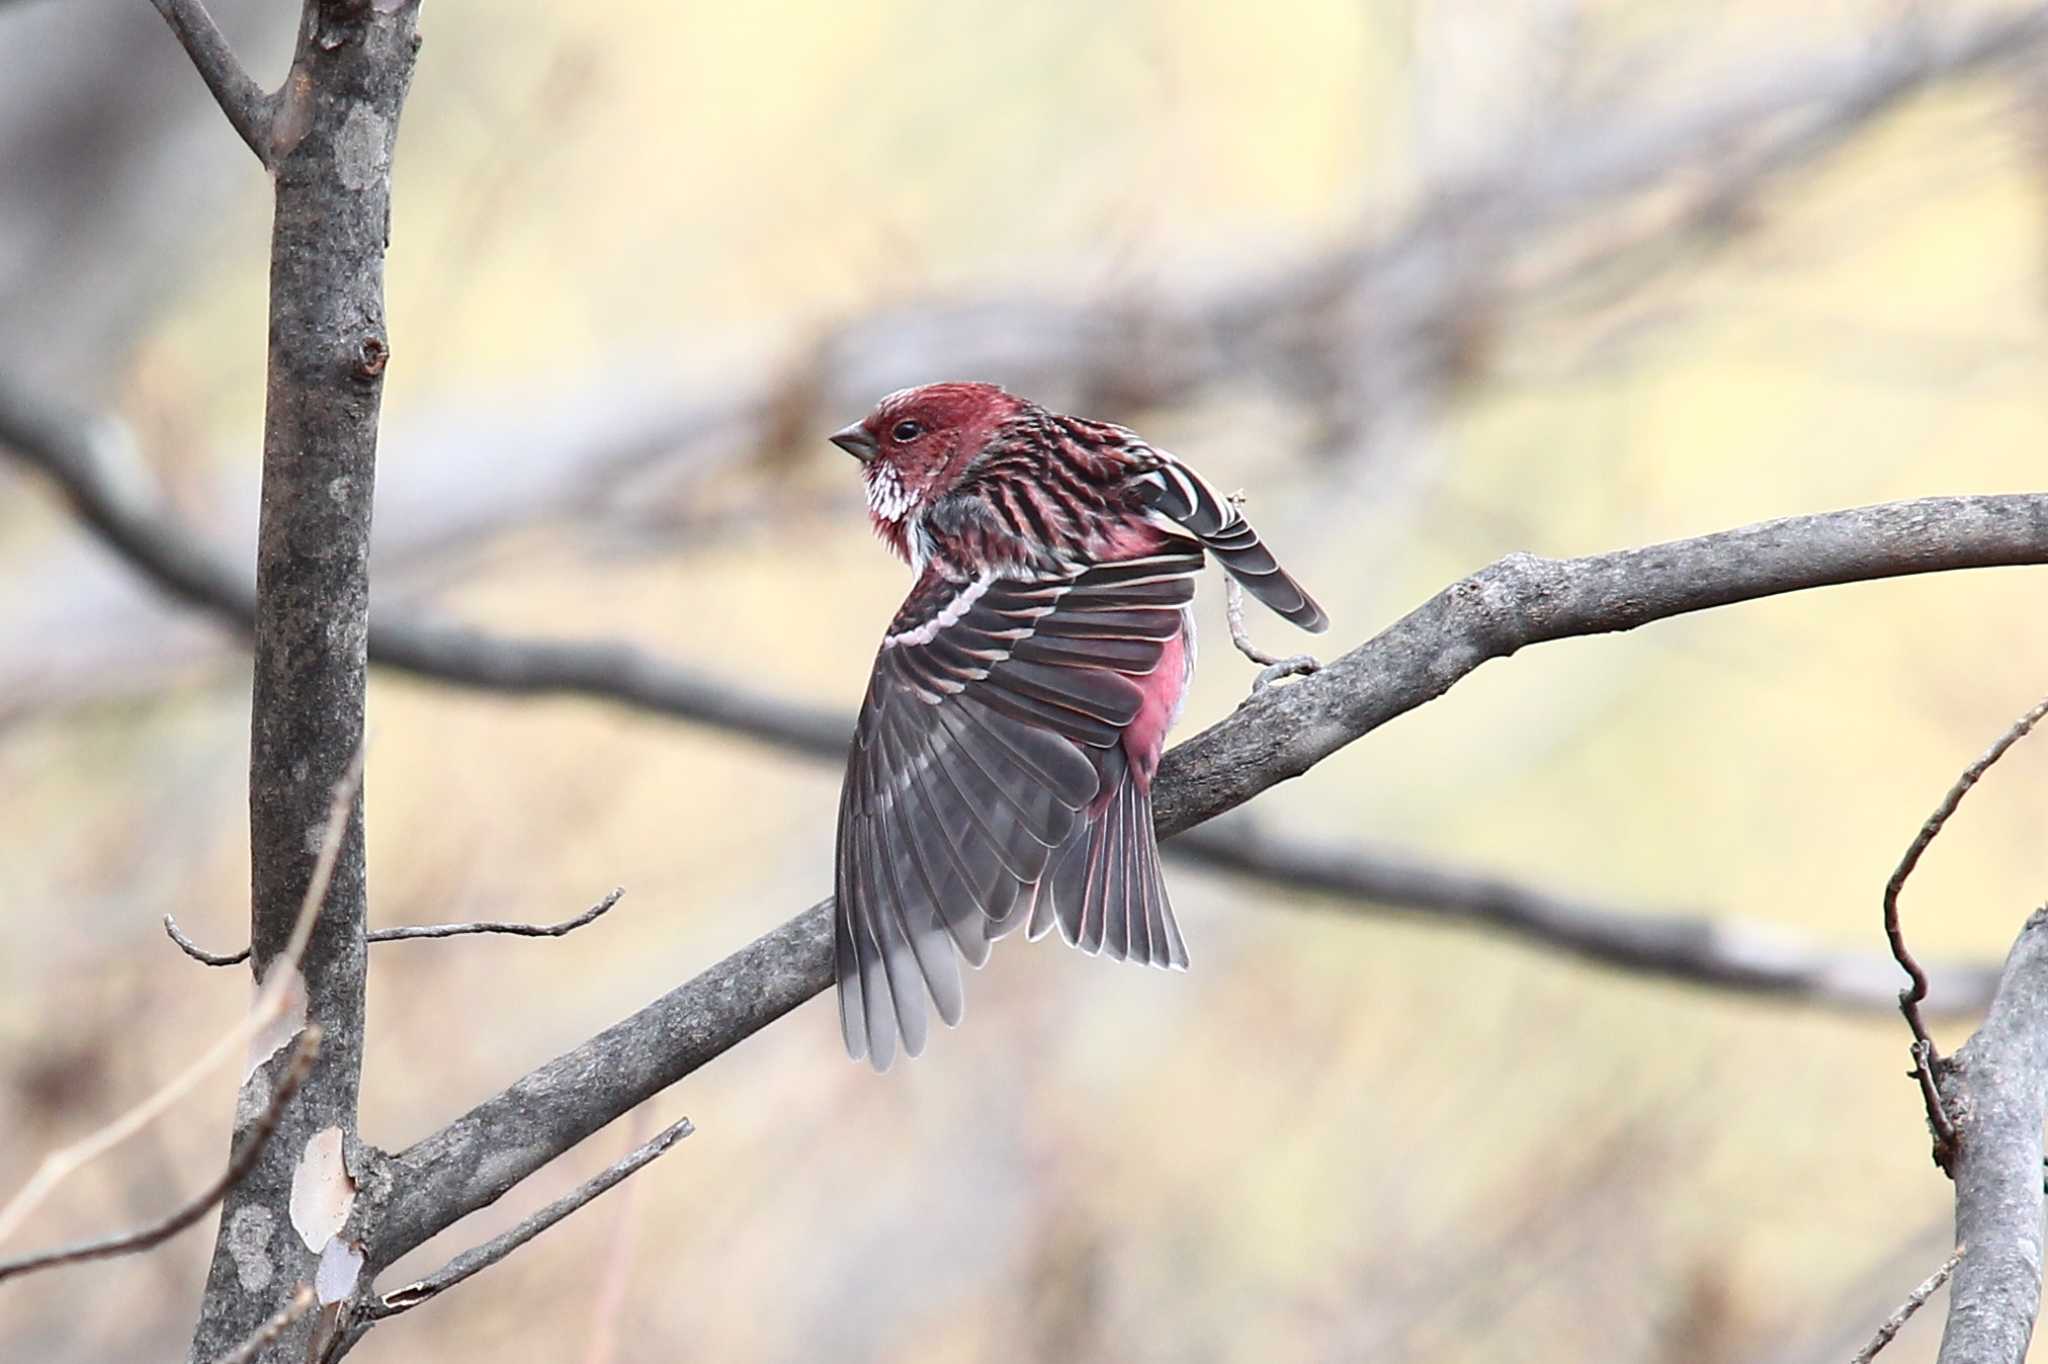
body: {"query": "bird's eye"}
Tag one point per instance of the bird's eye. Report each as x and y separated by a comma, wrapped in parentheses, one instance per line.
(905, 431)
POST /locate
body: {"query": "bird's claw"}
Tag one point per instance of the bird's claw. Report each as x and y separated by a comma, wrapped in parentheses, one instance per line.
(1300, 665)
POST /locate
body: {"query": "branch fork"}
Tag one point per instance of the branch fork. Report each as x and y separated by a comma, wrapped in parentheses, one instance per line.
(1928, 1065)
(250, 110)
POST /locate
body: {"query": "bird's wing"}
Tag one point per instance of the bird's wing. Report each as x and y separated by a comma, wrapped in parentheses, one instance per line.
(1184, 496)
(991, 725)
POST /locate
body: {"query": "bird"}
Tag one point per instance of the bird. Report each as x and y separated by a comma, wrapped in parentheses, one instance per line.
(1000, 772)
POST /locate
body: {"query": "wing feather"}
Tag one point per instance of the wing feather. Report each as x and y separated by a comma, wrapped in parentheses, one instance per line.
(981, 788)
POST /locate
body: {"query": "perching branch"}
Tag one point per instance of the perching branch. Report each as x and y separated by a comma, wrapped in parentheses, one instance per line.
(1278, 733)
(1995, 1089)
(157, 1232)
(412, 932)
(249, 110)
(1524, 599)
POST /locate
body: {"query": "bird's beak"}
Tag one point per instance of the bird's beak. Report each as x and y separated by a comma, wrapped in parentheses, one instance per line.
(856, 442)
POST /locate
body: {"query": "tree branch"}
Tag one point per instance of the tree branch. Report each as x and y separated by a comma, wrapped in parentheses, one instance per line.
(1996, 1089)
(1278, 733)
(155, 1233)
(1522, 599)
(249, 110)
(112, 495)
(412, 932)
(1693, 949)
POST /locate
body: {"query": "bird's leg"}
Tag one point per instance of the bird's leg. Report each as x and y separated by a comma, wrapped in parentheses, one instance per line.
(1271, 667)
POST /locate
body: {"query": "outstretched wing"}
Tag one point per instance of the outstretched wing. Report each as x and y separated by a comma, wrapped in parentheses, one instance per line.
(1184, 496)
(992, 724)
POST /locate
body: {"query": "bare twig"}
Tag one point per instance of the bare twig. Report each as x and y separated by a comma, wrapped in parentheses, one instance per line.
(249, 110)
(1996, 1089)
(198, 953)
(410, 932)
(269, 1006)
(498, 1247)
(301, 1302)
(1914, 1301)
(142, 1238)
(610, 1299)
(1925, 1058)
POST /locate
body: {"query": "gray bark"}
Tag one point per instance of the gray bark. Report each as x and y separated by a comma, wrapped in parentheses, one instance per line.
(330, 140)
(1995, 1089)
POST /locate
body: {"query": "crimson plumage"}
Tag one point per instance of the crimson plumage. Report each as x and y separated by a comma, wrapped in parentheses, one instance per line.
(1001, 769)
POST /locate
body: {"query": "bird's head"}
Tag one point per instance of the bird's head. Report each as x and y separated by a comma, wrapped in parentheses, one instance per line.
(915, 445)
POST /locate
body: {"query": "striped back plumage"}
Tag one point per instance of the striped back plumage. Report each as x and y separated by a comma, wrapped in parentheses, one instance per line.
(1060, 489)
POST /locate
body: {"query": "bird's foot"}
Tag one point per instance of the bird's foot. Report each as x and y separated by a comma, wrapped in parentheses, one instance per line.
(1300, 665)
(1271, 666)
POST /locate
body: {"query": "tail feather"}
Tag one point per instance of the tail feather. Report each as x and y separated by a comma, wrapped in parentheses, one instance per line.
(1105, 890)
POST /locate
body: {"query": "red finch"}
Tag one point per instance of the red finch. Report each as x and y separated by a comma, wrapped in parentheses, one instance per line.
(1002, 766)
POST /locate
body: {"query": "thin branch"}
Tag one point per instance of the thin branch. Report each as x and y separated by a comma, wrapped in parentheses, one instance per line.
(198, 953)
(269, 1006)
(301, 1302)
(249, 110)
(498, 1247)
(1996, 1087)
(243, 1160)
(1926, 1059)
(1276, 734)
(609, 1302)
(1894, 1323)
(112, 496)
(410, 932)
(1718, 951)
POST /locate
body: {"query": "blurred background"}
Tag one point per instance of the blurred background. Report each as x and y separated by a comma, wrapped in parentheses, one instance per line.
(1435, 281)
